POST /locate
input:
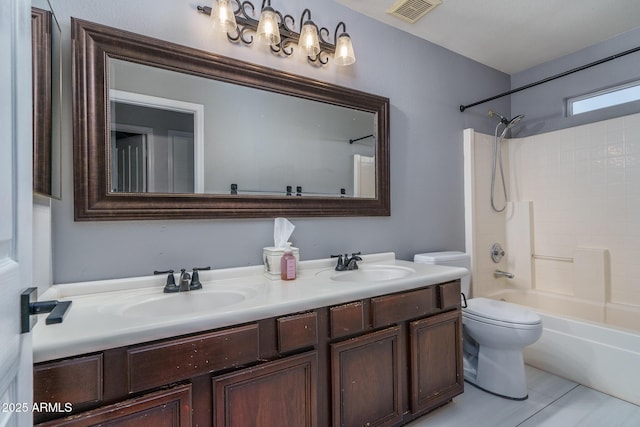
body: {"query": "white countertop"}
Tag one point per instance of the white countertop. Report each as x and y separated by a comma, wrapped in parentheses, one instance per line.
(106, 314)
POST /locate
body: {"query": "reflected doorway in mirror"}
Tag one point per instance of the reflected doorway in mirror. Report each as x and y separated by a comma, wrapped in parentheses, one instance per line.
(157, 144)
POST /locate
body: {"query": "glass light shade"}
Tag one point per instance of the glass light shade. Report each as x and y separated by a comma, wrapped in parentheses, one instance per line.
(309, 42)
(222, 17)
(268, 32)
(344, 50)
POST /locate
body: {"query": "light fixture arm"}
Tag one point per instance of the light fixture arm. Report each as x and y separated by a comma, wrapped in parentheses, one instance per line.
(335, 33)
(302, 20)
(247, 26)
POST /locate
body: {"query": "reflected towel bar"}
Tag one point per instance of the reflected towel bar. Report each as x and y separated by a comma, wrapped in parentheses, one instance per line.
(552, 258)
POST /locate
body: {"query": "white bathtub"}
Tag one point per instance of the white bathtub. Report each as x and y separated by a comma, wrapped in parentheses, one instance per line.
(596, 355)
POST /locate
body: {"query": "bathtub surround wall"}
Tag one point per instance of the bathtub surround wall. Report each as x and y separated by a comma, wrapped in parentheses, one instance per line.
(585, 184)
(426, 155)
(582, 186)
(484, 227)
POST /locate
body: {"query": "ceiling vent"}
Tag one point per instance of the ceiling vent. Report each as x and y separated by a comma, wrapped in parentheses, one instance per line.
(412, 10)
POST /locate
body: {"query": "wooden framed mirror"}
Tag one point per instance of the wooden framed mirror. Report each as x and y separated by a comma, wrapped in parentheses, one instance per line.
(47, 96)
(226, 126)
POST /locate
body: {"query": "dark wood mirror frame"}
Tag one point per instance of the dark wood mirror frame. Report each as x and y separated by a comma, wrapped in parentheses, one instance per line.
(93, 44)
(42, 124)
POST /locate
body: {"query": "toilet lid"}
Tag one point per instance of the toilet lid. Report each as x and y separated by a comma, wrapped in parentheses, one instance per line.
(501, 311)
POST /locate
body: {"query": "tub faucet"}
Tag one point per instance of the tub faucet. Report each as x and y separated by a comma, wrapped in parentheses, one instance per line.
(500, 273)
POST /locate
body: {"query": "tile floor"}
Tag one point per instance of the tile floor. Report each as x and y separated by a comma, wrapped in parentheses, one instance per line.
(552, 402)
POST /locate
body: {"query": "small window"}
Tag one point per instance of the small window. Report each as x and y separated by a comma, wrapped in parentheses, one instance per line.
(604, 98)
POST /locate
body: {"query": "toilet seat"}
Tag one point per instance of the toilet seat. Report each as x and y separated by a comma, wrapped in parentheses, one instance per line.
(500, 313)
(492, 322)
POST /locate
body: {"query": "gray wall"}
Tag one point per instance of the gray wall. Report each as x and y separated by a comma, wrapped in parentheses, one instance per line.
(425, 84)
(544, 105)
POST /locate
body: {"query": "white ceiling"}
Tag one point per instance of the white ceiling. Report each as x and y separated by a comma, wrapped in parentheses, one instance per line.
(513, 35)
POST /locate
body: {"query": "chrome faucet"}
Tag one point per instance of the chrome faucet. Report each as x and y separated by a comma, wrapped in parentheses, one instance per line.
(500, 273)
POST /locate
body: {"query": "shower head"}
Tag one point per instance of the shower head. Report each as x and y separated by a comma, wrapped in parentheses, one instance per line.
(514, 121)
(505, 121)
(511, 123)
(508, 124)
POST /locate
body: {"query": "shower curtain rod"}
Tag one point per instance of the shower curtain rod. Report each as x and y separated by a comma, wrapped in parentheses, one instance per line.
(557, 76)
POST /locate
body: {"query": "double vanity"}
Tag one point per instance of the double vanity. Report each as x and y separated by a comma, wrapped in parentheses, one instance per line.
(376, 346)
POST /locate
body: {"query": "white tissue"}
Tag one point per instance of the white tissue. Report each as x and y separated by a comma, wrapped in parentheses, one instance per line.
(282, 230)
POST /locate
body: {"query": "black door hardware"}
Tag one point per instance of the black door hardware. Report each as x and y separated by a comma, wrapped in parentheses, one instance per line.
(29, 306)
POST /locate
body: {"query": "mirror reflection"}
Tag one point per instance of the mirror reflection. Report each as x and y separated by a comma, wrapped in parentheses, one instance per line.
(174, 132)
(163, 131)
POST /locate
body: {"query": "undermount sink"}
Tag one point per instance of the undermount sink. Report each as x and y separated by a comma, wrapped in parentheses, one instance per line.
(373, 273)
(181, 303)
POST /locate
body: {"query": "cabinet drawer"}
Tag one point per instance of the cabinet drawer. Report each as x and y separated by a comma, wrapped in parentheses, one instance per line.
(449, 295)
(77, 381)
(170, 407)
(347, 319)
(167, 362)
(297, 331)
(390, 309)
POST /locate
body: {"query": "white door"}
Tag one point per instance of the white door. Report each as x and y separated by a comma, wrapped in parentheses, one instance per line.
(182, 175)
(364, 176)
(130, 158)
(16, 388)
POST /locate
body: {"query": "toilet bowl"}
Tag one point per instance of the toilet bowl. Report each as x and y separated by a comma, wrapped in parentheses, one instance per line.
(498, 332)
(494, 335)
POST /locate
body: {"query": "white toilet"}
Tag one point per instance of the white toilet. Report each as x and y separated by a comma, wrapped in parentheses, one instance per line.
(494, 335)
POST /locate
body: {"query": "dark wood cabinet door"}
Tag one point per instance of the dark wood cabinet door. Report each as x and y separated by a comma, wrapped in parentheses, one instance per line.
(436, 360)
(166, 408)
(365, 373)
(77, 381)
(278, 393)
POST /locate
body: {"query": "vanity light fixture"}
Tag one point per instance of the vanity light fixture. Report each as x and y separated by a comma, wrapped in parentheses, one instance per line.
(268, 31)
(278, 31)
(344, 48)
(222, 16)
(309, 42)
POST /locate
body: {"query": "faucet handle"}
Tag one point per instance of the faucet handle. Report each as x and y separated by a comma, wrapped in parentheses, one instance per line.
(195, 278)
(341, 261)
(170, 286)
(355, 256)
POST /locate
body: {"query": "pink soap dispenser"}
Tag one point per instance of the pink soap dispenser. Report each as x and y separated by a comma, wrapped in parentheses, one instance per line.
(288, 264)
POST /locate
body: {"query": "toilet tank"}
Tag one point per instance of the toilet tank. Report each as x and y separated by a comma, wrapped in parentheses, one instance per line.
(451, 258)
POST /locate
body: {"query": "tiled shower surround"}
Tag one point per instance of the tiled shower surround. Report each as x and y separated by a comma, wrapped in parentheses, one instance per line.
(572, 233)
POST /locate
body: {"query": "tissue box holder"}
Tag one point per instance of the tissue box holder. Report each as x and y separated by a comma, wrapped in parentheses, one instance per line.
(271, 259)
